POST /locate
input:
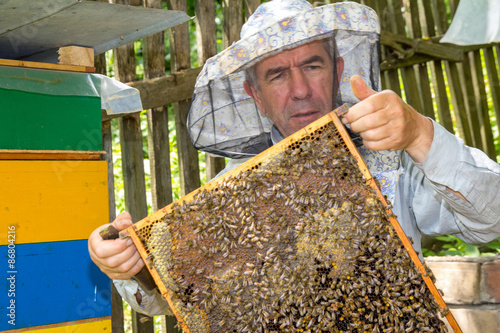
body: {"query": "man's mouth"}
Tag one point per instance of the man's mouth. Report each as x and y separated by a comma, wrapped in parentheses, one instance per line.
(303, 115)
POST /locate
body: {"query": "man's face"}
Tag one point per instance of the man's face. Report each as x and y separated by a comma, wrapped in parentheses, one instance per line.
(295, 86)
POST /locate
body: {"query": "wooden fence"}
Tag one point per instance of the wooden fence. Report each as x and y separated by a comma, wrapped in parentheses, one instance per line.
(444, 82)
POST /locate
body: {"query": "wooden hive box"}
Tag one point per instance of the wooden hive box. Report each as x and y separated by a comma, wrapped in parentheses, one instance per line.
(53, 194)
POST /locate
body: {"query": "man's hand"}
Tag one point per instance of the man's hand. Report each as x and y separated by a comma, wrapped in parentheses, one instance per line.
(385, 122)
(117, 258)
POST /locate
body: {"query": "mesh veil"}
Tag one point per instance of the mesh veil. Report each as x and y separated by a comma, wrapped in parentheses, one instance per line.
(225, 121)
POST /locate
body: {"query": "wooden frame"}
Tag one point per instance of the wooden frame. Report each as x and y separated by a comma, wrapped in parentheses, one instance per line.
(331, 117)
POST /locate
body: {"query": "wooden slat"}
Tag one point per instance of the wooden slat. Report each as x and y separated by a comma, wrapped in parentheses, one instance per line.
(466, 85)
(464, 70)
(497, 51)
(116, 299)
(167, 89)
(419, 45)
(19, 154)
(462, 122)
(135, 189)
(458, 86)
(107, 145)
(439, 7)
(159, 157)
(454, 83)
(443, 108)
(133, 166)
(233, 21)
(455, 90)
(370, 3)
(494, 82)
(444, 116)
(207, 47)
(441, 27)
(39, 194)
(189, 170)
(421, 70)
(390, 79)
(101, 324)
(76, 55)
(482, 104)
(158, 135)
(132, 158)
(55, 275)
(206, 37)
(250, 7)
(453, 4)
(407, 74)
(42, 65)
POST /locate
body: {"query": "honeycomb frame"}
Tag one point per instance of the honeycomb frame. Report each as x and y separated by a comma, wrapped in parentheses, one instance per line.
(195, 255)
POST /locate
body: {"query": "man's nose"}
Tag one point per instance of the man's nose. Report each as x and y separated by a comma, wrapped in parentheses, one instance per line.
(300, 85)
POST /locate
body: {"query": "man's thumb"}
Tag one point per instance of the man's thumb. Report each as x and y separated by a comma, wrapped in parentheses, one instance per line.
(360, 88)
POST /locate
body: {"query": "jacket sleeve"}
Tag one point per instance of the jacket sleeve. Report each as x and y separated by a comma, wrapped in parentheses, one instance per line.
(450, 165)
(152, 304)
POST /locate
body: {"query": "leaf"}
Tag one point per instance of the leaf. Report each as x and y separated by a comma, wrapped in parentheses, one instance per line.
(445, 238)
(472, 250)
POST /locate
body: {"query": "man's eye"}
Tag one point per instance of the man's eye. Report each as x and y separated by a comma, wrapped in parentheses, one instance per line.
(277, 77)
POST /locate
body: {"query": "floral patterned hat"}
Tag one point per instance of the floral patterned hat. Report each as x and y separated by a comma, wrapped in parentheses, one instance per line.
(225, 121)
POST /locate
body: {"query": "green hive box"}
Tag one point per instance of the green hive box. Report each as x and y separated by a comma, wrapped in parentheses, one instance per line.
(48, 110)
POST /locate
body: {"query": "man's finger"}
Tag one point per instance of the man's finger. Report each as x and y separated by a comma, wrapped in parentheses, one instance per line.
(360, 88)
(112, 247)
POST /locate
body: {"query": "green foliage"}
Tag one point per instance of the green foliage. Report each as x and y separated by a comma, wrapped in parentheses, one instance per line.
(452, 246)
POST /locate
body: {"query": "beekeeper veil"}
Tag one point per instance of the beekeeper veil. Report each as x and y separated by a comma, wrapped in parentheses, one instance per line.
(225, 121)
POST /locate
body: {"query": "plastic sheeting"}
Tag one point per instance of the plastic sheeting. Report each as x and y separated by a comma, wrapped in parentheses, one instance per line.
(116, 97)
(475, 22)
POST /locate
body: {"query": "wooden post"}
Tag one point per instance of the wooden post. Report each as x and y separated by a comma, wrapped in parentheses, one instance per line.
(233, 20)
(132, 158)
(107, 145)
(189, 169)
(158, 135)
(116, 299)
(135, 190)
(206, 39)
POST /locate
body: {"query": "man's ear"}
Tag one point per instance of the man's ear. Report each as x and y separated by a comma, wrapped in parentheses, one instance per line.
(340, 68)
(252, 92)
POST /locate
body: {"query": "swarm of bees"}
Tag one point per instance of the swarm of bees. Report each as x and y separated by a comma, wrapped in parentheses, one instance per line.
(295, 243)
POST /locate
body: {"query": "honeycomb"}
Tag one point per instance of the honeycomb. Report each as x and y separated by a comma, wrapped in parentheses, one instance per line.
(296, 241)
